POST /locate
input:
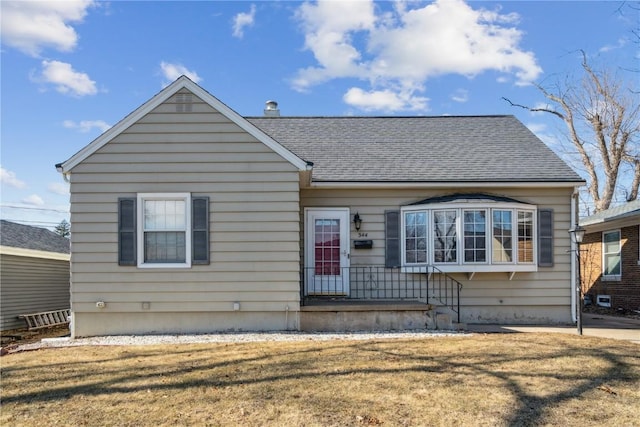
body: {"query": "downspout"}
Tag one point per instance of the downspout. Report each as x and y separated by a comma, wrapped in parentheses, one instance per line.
(573, 248)
(72, 324)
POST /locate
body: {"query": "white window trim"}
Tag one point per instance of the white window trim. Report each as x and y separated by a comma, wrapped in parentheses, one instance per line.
(611, 277)
(469, 267)
(142, 197)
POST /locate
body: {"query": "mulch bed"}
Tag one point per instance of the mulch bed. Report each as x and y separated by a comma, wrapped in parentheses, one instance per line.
(14, 337)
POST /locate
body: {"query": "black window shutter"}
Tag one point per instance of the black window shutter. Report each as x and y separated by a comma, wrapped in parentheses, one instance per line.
(392, 239)
(200, 230)
(127, 231)
(545, 237)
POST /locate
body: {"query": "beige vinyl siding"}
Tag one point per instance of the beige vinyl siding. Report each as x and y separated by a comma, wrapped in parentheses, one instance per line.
(31, 285)
(254, 228)
(486, 294)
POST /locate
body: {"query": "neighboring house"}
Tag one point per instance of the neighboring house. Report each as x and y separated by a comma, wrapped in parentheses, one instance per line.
(187, 217)
(34, 272)
(610, 255)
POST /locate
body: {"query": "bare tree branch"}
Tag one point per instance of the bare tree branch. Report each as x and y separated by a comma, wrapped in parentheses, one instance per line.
(602, 118)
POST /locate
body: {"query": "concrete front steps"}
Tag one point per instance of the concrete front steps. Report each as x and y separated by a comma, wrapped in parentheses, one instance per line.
(352, 316)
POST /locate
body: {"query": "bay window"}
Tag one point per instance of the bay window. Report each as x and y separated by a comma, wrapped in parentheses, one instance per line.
(470, 236)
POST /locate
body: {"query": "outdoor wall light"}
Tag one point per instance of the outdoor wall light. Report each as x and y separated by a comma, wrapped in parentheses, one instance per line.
(577, 233)
(357, 221)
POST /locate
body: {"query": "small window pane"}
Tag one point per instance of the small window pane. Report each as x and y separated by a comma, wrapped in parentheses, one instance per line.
(475, 236)
(445, 239)
(164, 247)
(502, 236)
(415, 237)
(525, 236)
(164, 215)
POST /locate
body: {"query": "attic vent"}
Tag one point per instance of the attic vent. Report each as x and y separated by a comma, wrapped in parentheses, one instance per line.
(184, 103)
(271, 109)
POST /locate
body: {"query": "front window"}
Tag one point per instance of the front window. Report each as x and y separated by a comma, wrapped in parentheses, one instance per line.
(164, 239)
(611, 260)
(489, 236)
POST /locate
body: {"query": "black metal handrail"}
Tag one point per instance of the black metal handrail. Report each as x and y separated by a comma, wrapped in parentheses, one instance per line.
(427, 284)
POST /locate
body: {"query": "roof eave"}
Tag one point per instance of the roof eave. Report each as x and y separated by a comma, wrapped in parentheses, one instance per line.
(445, 184)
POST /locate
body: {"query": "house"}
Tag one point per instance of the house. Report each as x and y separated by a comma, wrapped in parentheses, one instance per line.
(610, 257)
(34, 272)
(187, 217)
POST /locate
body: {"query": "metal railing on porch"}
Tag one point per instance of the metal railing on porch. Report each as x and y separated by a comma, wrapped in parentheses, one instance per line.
(428, 284)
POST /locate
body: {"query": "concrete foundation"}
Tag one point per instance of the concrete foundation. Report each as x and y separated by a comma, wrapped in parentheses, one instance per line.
(366, 317)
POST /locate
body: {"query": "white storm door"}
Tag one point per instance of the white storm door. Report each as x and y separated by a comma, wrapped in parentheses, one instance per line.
(327, 251)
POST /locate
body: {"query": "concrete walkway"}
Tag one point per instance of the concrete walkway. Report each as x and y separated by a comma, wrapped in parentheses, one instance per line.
(595, 325)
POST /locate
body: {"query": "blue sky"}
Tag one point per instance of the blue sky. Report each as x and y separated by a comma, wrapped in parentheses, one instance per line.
(70, 69)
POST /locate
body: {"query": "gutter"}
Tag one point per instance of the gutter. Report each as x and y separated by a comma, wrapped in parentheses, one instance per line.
(65, 175)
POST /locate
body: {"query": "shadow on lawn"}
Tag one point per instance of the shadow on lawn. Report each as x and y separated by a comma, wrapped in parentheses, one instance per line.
(242, 365)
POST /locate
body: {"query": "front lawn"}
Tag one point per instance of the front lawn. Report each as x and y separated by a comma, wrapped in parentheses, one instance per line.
(492, 380)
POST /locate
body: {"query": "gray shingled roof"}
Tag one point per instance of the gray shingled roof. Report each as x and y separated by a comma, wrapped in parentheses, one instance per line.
(611, 214)
(418, 149)
(35, 238)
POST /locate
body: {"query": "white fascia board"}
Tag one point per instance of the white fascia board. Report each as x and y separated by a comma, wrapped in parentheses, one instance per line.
(182, 82)
(32, 253)
(440, 185)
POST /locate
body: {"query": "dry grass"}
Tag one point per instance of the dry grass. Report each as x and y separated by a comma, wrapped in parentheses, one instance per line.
(492, 380)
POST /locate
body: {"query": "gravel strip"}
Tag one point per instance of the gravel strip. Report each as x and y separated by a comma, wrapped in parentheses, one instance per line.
(236, 337)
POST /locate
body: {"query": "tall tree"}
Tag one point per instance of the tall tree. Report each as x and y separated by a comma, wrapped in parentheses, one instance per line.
(63, 229)
(601, 111)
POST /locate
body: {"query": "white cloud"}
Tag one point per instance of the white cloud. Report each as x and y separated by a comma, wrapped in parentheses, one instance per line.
(86, 126)
(537, 128)
(10, 178)
(619, 45)
(66, 80)
(59, 188)
(400, 50)
(242, 20)
(172, 71)
(31, 26)
(329, 27)
(460, 95)
(384, 100)
(33, 200)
